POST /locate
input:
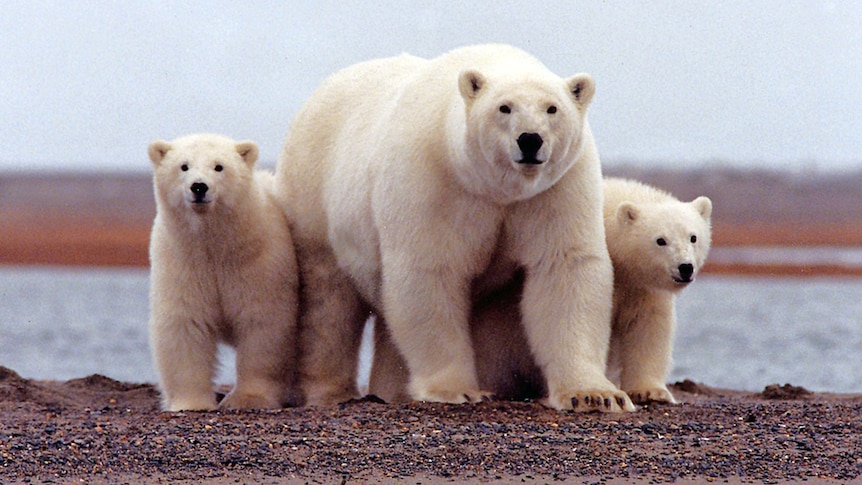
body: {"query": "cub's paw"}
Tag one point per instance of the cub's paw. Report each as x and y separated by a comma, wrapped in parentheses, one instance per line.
(606, 401)
(653, 394)
(236, 400)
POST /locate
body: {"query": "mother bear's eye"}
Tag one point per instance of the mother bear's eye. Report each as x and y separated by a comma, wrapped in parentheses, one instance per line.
(505, 109)
(661, 242)
(219, 168)
(552, 110)
(184, 167)
(693, 239)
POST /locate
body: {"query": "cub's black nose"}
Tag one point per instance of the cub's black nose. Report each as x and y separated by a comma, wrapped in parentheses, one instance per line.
(686, 270)
(199, 188)
(529, 143)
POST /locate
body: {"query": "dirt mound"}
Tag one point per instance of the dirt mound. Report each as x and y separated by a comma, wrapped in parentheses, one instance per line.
(787, 391)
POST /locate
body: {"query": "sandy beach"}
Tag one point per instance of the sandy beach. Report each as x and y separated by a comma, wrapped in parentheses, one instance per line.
(97, 430)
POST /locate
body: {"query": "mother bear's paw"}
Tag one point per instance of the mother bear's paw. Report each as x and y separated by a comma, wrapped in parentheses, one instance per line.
(454, 396)
(602, 400)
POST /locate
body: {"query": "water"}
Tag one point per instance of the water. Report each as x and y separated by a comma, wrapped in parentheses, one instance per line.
(735, 332)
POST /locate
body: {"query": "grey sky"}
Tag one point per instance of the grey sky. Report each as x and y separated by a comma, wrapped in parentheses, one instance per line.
(87, 85)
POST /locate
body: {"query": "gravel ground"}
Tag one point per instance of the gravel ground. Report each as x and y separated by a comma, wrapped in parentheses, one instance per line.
(97, 430)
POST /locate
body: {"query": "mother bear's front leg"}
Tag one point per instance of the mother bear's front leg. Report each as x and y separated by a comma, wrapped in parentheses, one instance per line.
(566, 313)
(568, 289)
(427, 311)
(426, 305)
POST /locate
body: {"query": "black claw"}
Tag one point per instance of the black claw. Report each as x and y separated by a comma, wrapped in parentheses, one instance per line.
(621, 402)
(575, 402)
(607, 403)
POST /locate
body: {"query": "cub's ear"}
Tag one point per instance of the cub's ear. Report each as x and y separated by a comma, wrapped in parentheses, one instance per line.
(627, 213)
(703, 206)
(470, 82)
(158, 150)
(583, 87)
(248, 150)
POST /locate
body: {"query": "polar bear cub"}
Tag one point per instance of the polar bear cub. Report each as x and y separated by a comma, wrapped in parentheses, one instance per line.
(657, 244)
(222, 270)
(410, 184)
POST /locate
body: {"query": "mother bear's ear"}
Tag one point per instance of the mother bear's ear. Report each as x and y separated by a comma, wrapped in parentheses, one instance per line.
(470, 82)
(583, 87)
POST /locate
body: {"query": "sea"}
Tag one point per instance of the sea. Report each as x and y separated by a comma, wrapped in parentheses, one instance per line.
(737, 332)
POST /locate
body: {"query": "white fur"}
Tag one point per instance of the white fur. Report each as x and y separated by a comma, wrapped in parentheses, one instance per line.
(222, 270)
(402, 182)
(647, 279)
(651, 236)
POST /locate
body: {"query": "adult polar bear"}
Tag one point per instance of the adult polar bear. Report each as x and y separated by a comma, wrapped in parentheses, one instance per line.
(413, 184)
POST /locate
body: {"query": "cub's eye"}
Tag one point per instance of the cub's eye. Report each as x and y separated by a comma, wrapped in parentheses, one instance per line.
(184, 167)
(661, 242)
(552, 110)
(693, 239)
(505, 109)
(219, 168)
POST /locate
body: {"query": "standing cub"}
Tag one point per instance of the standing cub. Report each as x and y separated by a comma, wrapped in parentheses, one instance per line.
(222, 270)
(657, 245)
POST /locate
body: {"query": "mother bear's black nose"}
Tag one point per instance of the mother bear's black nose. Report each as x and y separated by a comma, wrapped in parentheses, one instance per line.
(529, 143)
(199, 188)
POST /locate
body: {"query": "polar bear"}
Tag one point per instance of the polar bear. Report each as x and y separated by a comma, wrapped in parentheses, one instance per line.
(222, 270)
(412, 184)
(657, 245)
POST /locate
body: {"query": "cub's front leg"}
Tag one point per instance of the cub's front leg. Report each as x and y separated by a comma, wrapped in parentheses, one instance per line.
(641, 343)
(184, 352)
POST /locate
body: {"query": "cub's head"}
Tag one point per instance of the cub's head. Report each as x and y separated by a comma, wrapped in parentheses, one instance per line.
(661, 244)
(201, 172)
(524, 129)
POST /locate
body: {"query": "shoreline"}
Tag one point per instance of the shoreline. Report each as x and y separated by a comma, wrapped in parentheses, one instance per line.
(87, 244)
(99, 430)
(104, 219)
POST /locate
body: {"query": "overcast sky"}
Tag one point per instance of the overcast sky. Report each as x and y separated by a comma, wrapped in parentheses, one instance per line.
(87, 85)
